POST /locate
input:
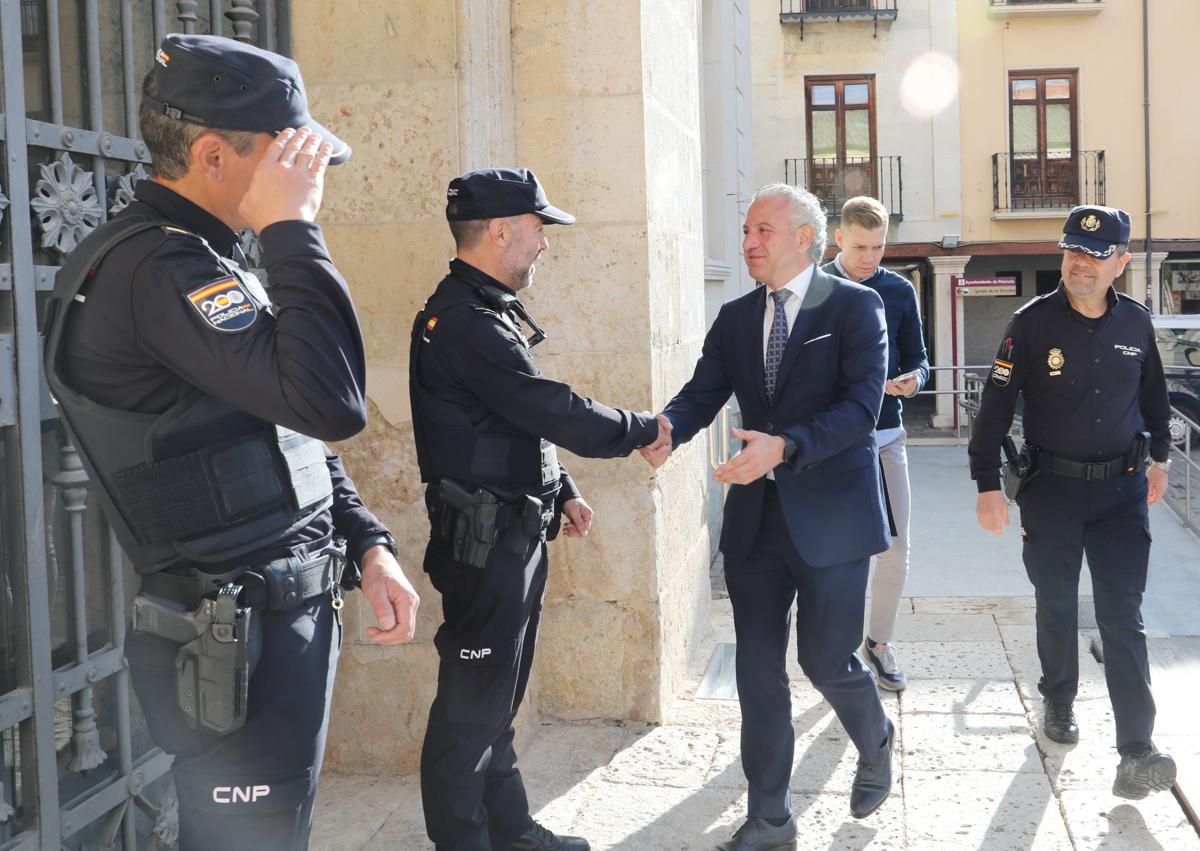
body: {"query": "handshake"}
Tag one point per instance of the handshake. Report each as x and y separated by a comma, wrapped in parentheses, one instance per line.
(760, 454)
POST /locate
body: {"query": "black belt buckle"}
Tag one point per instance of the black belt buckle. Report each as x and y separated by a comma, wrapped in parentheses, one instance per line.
(1089, 471)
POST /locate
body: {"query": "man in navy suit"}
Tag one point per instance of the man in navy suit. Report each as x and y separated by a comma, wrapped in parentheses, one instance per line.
(806, 356)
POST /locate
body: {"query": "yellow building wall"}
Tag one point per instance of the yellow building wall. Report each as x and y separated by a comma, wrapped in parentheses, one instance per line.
(1106, 48)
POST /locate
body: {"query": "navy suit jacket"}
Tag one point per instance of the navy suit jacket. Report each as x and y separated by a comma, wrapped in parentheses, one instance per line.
(827, 397)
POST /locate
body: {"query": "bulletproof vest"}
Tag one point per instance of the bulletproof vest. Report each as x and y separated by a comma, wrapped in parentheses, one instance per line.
(201, 482)
(450, 445)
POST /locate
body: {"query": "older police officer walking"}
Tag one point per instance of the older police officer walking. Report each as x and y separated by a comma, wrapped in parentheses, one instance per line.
(198, 401)
(1084, 359)
(487, 422)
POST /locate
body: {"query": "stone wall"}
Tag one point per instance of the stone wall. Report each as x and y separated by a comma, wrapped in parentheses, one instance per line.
(605, 111)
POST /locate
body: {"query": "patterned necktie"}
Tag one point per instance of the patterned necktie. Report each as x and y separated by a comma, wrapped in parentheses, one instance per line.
(776, 343)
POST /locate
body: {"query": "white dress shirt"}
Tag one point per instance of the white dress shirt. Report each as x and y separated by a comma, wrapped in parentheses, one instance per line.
(791, 309)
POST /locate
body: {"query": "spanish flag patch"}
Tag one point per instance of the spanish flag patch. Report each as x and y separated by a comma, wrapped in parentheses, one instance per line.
(224, 305)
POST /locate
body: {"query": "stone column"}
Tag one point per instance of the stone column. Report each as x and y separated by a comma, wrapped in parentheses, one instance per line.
(600, 99)
(1135, 277)
(607, 115)
(948, 332)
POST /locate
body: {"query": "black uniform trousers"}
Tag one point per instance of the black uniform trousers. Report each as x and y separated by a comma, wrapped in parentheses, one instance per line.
(254, 788)
(471, 789)
(1061, 519)
(829, 623)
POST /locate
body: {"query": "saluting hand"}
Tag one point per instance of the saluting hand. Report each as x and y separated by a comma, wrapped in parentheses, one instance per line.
(991, 509)
(391, 595)
(288, 181)
(577, 518)
(761, 454)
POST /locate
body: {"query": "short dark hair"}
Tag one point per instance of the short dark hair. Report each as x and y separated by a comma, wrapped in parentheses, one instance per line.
(170, 141)
(468, 233)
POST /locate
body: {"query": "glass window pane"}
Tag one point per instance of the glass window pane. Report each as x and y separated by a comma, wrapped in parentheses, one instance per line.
(1058, 89)
(856, 93)
(1024, 89)
(1024, 131)
(1058, 130)
(824, 135)
(824, 96)
(858, 134)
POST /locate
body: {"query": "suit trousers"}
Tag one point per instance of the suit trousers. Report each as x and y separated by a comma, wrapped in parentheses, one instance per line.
(1061, 519)
(829, 620)
(891, 566)
(471, 790)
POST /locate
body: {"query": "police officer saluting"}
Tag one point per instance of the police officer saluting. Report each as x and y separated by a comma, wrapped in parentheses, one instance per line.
(486, 423)
(198, 401)
(1096, 436)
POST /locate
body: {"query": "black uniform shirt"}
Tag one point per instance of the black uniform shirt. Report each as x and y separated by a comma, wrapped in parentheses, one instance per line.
(1089, 385)
(476, 359)
(141, 340)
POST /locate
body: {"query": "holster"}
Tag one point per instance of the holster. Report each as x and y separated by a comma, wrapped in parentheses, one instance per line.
(1138, 454)
(477, 521)
(220, 643)
(1018, 468)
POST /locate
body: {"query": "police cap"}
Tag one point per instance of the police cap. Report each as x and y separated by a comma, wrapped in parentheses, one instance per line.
(1095, 230)
(493, 193)
(227, 85)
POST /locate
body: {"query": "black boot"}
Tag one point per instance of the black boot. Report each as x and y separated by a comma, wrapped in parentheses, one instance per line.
(1144, 772)
(1059, 723)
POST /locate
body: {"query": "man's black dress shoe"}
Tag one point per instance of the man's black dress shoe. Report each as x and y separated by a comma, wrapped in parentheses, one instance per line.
(873, 780)
(537, 838)
(760, 835)
(1059, 723)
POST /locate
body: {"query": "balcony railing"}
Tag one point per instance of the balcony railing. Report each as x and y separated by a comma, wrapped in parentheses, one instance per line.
(1034, 183)
(1031, 5)
(833, 181)
(799, 11)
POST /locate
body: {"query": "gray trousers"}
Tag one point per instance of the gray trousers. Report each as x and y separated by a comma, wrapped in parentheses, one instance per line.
(891, 566)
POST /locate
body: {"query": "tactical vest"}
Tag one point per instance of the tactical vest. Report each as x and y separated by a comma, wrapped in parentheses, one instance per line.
(450, 446)
(201, 482)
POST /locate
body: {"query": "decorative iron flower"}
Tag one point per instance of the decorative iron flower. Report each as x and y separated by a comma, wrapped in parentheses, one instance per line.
(122, 190)
(66, 204)
(251, 247)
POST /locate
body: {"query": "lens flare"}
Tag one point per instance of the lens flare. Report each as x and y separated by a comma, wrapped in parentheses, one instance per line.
(930, 85)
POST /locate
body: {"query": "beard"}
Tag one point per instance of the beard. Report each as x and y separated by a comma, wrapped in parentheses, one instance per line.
(521, 273)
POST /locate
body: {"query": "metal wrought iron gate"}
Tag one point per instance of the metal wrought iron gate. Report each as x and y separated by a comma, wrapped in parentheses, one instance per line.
(77, 769)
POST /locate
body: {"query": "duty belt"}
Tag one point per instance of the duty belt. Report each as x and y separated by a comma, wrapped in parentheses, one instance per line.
(278, 585)
(1089, 471)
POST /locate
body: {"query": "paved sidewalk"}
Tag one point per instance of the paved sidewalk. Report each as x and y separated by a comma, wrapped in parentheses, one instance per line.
(974, 770)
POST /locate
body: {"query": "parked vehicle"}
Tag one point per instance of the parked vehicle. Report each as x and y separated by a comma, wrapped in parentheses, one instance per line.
(1179, 346)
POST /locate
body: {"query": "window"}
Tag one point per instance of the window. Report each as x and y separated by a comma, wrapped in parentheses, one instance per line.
(1047, 280)
(1042, 139)
(841, 136)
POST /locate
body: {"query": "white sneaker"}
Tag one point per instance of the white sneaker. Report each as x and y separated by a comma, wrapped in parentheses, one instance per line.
(882, 659)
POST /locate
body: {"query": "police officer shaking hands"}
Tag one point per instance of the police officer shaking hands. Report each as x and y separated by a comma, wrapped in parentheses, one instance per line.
(1095, 457)
(487, 422)
(198, 401)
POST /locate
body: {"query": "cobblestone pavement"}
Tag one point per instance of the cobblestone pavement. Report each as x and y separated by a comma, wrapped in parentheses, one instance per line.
(974, 771)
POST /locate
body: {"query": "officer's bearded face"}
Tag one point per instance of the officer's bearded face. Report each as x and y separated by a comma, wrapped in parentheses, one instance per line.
(527, 244)
(1084, 275)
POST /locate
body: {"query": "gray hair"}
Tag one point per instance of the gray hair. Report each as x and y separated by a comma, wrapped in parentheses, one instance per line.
(803, 209)
(170, 141)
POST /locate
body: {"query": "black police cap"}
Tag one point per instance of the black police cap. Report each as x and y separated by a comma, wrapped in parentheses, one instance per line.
(493, 193)
(1095, 230)
(227, 85)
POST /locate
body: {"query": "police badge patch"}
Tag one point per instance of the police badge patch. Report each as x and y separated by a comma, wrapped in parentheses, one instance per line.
(1055, 360)
(1001, 372)
(225, 305)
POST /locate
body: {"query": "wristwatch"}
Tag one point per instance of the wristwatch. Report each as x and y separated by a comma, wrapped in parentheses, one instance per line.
(1165, 466)
(384, 538)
